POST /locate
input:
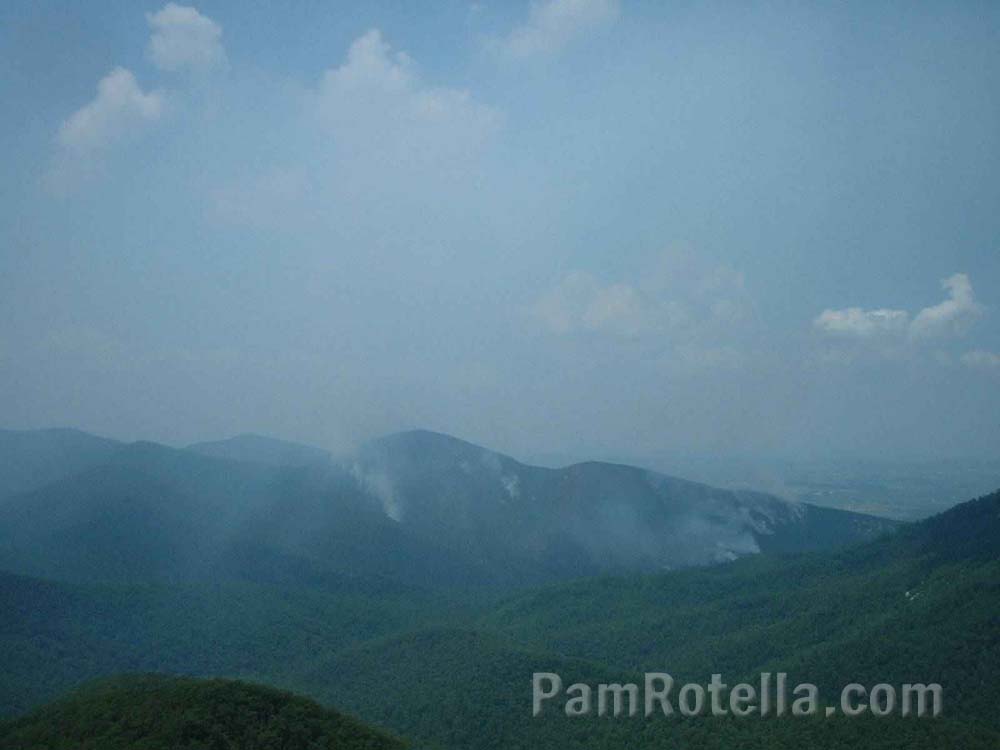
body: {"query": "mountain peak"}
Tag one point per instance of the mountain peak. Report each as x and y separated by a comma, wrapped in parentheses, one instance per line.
(262, 449)
(428, 445)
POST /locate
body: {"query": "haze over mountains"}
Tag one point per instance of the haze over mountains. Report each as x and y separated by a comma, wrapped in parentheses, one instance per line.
(707, 291)
(449, 668)
(415, 508)
(419, 582)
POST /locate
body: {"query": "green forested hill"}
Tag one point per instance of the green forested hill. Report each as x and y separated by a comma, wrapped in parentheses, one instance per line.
(55, 635)
(939, 577)
(469, 689)
(171, 713)
(922, 606)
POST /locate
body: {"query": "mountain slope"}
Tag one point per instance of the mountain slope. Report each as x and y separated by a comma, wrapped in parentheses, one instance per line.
(53, 636)
(30, 459)
(587, 518)
(152, 513)
(170, 713)
(922, 606)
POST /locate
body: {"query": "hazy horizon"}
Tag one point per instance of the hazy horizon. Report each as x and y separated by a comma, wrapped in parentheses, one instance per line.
(700, 466)
(576, 226)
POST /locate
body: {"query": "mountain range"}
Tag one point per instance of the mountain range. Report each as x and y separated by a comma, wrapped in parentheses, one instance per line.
(416, 509)
(419, 583)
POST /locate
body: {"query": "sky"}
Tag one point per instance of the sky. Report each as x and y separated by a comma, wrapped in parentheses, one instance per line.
(577, 226)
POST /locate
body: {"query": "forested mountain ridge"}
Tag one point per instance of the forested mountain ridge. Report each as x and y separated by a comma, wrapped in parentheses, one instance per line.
(587, 518)
(414, 509)
(153, 513)
(780, 603)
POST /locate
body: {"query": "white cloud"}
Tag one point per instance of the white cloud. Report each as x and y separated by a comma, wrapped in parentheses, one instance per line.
(951, 316)
(376, 103)
(553, 24)
(120, 105)
(184, 39)
(371, 64)
(680, 299)
(853, 321)
(982, 359)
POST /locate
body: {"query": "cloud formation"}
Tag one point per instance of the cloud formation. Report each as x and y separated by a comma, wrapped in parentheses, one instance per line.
(949, 317)
(119, 106)
(680, 298)
(184, 39)
(854, 321)
(554, 24)
(376, 98)
(953, 315)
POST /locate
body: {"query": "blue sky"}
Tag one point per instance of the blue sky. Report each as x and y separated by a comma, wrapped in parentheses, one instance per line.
(578, 225)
